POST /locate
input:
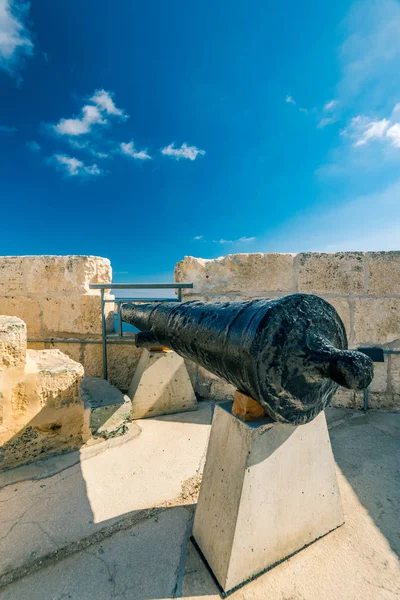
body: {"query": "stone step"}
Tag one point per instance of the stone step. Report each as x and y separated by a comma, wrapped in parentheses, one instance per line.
(109, 408)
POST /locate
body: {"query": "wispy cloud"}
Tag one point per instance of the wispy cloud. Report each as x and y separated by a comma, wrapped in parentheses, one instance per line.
(246, 240)
(329, 106)
(100, 105)
(73, 167)
(185, 151)
(15, 39)
(241, 240)
(198, 237)
(33, 146)
(291, 100)
(129, 150)
(7, 129)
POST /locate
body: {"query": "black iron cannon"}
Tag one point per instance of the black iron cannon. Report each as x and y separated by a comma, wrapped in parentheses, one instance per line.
(288, 354)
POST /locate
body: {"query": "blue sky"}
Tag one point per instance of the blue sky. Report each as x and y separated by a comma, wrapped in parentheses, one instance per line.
(148, 131)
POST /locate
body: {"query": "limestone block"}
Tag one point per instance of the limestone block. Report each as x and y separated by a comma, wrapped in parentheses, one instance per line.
(385, 401)
(64, 275)
(51, 431)
(122, 363)
(384, 273)
(342, 307)
(380, 380)
(348, 399)
(337, 273)
(161, 385)
(47, 413)
(58, 378)
(12, 342)
(268, 490)
(394, 371)
(27, 309)
(376, 320)
(74, 315)
(245, 273)
(11, 276)
(109, 408)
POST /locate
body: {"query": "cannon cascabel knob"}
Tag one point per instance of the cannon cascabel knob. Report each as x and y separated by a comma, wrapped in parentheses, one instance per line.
(289, 354)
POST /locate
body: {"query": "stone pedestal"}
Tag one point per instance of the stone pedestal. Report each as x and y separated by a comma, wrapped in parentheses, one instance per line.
(161, 385)
(268, 490)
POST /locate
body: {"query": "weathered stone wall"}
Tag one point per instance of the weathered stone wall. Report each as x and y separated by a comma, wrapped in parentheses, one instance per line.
(41, 410)
(51, 295)
(364, 288)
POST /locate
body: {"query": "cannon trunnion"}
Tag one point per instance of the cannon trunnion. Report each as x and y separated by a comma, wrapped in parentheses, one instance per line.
(289, 354)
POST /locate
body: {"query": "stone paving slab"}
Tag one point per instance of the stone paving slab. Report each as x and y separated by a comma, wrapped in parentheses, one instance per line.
(43, 516)
(153, 559)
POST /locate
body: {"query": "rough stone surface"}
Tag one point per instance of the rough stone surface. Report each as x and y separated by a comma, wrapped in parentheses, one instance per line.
(54, 513)
(27, 309)
(245, 273)
(109, 408)
(148, 558)
(64, 275)
(380, 380)
(322, 273)
(161, 385)
(348, 399)
(394, 371)
(42, 409)
(384, 273)
(268, 490)
(342, 307)
(376, 320)
(74, 315)
(11, 276)
(12, 342)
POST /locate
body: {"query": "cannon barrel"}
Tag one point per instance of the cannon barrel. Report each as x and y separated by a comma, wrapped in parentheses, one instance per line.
(289, 354)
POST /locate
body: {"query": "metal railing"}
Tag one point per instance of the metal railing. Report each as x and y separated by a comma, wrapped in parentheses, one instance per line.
(127, 338)
(120, 337)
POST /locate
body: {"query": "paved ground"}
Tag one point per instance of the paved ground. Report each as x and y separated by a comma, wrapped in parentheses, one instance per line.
(116, 526)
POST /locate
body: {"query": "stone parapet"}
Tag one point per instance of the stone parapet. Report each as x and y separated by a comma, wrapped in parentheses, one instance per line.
(363, 287)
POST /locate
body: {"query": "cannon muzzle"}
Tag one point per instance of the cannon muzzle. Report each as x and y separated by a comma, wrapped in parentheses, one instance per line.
(289, 354)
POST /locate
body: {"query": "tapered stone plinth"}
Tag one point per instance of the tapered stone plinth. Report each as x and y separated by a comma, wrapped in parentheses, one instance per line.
(268, 490)
(161, 385)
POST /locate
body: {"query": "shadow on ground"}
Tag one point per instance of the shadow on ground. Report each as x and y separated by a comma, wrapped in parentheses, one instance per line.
(146, 554)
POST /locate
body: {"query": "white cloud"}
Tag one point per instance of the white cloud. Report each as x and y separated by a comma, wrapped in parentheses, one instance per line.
(105, 102)
(7, 129)
(15, 39)
(198, 237)
(73, 167)
(330, 105)
(241, 240)
(85, 145)
(304, 110)
(246, 240)
(33, 146)
(290, 100)
(91, 114)
(130, 150)
(185, 151)
(393, 133)
(365, 130)
(326, 121)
